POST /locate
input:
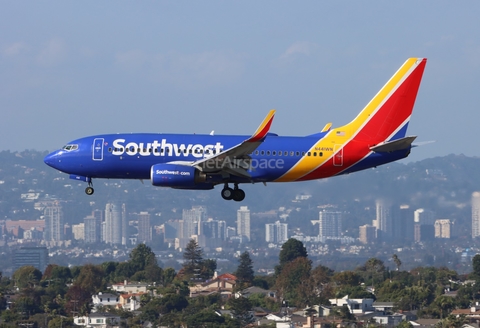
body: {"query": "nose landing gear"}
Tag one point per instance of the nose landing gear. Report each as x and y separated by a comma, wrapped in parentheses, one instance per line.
(236, 194)
(89, 190)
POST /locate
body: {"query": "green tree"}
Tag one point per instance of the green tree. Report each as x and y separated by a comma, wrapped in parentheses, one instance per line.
(27, 276)
(193, 256)
(241, 310)
(291, 250)
(168, 276)
(208, 268)
(294, 284)
(397, 261)
(476, 267)
(91, 278)
(245, 273)
(141, 257)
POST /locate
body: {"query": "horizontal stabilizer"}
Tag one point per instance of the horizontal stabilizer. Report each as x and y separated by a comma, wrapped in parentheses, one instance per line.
(391, 146)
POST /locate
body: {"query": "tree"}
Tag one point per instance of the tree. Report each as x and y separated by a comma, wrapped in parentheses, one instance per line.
(397, 261)
(245, 273)
(294, 284)
(77, 300)
(168, 276)
(241, 310)
(476, 267)
(141, 257)
(193, 257)
(291, 250)
(208, 268)
(27, 276)
(90, 278)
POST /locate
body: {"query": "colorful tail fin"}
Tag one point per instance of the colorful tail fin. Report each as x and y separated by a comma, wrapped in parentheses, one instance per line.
(386, 116)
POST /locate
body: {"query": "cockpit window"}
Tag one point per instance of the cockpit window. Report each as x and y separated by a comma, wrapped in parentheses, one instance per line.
(70, 147)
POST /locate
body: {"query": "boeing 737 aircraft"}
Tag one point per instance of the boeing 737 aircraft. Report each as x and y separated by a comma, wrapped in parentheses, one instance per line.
(376, 136)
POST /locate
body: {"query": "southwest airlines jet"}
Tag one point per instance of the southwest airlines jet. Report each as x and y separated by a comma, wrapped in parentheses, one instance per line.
(376, 136)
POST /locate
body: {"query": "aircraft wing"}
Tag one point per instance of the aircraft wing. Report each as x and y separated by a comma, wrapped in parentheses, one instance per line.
(236, 160)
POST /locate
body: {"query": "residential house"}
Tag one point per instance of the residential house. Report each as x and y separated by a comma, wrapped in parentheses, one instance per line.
(104, 299)
(355, 305)
(222, 284)
(130, 302)
(130, 287)
(98, 320)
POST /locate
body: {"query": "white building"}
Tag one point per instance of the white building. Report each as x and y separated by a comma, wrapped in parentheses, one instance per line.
(53, 223)
(355, 305)
(78, 231)
(276, 232)
(330, 224)
(105, 299)
(243, 222)
(475, 214)
(113, 224)
(100, 320)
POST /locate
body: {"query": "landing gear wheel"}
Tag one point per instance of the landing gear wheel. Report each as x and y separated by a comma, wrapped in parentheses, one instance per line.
(227, 193)
(238, 195)
(89, 191)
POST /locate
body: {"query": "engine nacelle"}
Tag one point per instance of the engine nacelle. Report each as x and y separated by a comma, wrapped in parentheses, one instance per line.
(178, 176)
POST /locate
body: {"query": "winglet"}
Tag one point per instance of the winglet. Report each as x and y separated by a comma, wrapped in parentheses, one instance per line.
(327, 127)
(263, 128)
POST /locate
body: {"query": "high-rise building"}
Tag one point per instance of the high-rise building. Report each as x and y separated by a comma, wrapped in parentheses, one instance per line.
(402, 224)
(330, 224)
(383, 221)
(423, 232)
(53, 223)
(443, 228)
(78, 231)
(124, 225)
(276, 232)
(144, 228)
(243, 222)
(92, 225)
(367, 234)
(34, 256)
(475, 214)
(113, 224)
(424, 216)
(192, 221)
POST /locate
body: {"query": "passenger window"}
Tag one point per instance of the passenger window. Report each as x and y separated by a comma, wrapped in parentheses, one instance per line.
(297, 153)
(285, 153)
(256, 152)
(268, 152)
(309, 154)
(262, 152)
(274, 153)
(314, 153)
(303, 153)
(291, 153)
(321, 154)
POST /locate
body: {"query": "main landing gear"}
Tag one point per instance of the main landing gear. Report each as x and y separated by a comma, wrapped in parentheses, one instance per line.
(236, 194)
(89, 190)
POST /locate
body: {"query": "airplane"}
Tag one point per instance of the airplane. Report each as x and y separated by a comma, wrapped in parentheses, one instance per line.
(376, 136)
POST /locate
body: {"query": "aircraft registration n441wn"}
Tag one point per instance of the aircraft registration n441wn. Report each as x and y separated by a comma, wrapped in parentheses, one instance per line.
(376, 136)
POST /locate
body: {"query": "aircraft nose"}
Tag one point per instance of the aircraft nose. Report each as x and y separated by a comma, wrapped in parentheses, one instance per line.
(52, 159)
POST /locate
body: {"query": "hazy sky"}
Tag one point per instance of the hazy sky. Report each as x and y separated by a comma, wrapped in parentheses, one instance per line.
(69, 69)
